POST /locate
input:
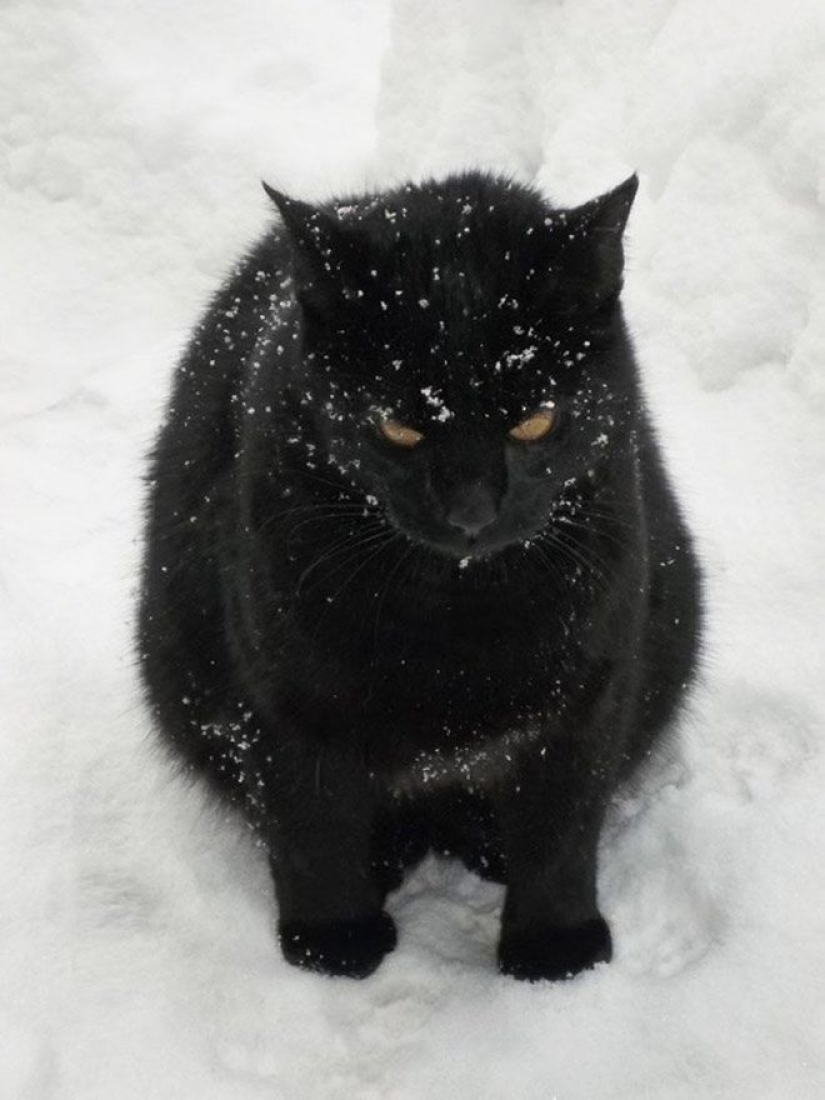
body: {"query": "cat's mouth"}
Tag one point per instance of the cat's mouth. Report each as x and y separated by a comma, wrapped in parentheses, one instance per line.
(468, 547)
(462, 547)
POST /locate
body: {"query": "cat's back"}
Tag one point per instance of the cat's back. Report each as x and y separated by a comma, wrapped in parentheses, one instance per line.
(191, 491)
(673, 623)
(244, 312)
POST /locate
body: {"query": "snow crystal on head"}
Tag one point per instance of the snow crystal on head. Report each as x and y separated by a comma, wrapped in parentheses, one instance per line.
(436, 402)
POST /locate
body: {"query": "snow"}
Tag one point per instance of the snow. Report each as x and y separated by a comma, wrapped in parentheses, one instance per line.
(137, 952)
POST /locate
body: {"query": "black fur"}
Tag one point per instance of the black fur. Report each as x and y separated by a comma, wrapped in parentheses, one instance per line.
(461, 646)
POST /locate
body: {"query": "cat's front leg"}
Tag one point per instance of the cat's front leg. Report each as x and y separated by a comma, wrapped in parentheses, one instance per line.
(318, 824)
(551, 817)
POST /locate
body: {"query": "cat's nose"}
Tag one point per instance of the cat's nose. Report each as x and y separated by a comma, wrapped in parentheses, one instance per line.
(472, 510)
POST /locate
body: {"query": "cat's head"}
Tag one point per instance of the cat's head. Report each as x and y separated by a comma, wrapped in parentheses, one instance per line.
(466, 361)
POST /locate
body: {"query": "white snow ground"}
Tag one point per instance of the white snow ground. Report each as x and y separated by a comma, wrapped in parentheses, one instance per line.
(137, 955)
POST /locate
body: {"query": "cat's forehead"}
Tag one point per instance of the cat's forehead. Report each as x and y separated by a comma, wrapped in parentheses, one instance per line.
(463, 240)
(444, 384)
(441, 300)
(438, 365)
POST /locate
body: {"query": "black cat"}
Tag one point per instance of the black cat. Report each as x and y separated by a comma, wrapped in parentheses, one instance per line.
(415, 578)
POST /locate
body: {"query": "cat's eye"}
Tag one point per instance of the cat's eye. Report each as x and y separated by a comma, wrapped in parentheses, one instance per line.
(534, 427)
(400, 434)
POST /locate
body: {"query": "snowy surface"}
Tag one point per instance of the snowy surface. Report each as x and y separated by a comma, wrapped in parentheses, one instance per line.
(137, 951)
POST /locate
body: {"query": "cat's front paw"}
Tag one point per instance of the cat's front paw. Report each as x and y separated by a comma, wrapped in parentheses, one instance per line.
(554, 953)
(350, 948)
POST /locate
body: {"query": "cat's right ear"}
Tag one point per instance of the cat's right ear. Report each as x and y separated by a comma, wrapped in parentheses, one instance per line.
(313, 236)
(593, 247)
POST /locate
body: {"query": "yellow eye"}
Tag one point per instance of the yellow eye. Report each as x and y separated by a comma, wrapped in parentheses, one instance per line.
(400, 434)
(535, 426)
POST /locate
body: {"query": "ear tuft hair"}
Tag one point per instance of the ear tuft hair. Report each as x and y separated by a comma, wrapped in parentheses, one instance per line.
(316, 248)
(594, 252)
(609, 212)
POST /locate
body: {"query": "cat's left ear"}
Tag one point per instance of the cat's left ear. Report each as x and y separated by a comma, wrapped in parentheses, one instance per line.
(297, 216)
(594, 253)
(316, 246)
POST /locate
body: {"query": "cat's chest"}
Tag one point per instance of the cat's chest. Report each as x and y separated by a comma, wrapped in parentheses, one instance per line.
(474, 765)
(458, 672)
(460, 729)
(471, 723)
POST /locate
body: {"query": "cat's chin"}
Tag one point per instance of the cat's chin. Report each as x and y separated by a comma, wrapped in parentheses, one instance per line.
(467, 553)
